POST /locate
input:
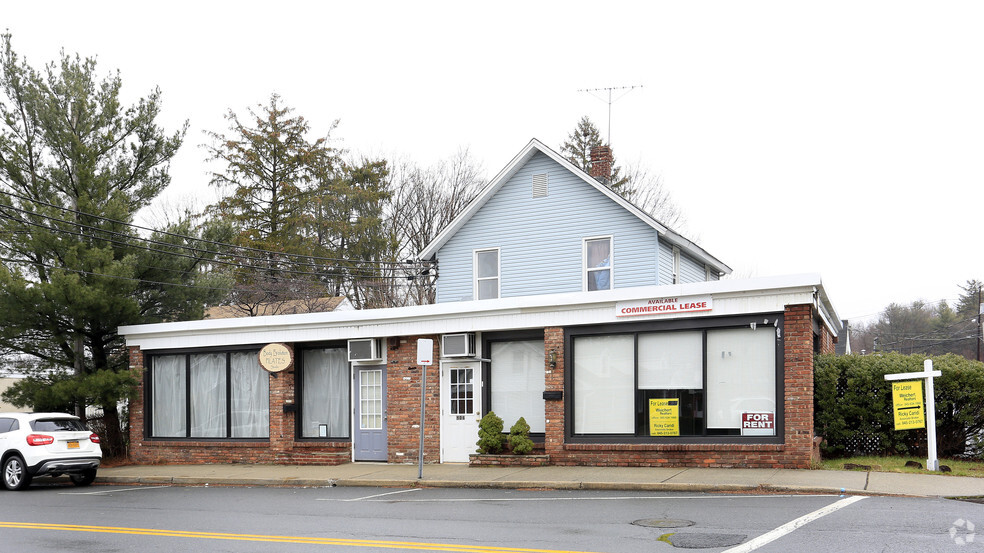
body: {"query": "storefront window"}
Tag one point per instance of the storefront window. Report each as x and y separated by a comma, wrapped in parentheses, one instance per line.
(741, 376)
(325, 393)
(674, 383)
(199, 395)
(604, 381)
(517, 382)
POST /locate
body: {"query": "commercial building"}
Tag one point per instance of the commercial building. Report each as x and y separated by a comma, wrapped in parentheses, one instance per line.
(558, 302)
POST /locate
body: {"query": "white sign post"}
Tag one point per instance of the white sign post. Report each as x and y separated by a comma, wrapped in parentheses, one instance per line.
(425, 357)
(932, 463)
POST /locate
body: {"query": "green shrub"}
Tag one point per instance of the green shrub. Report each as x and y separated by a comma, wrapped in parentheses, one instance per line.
(489, 434)
(519, 438)
(853, 405)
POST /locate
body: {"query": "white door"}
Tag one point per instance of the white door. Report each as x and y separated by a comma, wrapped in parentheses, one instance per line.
(461, 409)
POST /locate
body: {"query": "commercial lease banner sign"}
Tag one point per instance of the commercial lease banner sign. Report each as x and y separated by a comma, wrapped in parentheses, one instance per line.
(654, 307)
(907, 403)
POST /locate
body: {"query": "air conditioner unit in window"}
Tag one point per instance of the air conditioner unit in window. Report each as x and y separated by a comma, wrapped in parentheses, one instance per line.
(365, 349)
(458, 345)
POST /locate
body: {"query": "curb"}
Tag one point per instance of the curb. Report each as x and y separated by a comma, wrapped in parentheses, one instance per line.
(487, 484)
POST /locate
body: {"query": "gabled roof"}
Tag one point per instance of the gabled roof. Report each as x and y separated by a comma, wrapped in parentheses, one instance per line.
(517, 163)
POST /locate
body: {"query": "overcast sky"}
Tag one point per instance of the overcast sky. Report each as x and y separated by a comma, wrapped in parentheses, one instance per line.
(842, 138)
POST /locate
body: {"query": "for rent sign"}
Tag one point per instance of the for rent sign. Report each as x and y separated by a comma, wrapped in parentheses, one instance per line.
(662, 306)
(758, 423)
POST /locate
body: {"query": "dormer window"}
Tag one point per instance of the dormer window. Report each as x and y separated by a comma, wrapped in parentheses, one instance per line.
(598, 263)
(486, 268)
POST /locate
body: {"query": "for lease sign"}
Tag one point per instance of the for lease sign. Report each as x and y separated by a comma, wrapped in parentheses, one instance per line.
(662, 306)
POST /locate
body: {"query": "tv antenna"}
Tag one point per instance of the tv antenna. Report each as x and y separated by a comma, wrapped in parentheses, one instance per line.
(609, 90)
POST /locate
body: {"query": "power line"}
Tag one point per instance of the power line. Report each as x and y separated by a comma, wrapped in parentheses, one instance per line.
(203, 240)
(354, 272)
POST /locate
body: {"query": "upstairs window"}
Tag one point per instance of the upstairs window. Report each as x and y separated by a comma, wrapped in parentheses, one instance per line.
(486, 265)
(598, 263)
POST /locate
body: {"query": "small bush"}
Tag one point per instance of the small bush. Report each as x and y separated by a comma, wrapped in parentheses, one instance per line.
(490, 434)
(519, 438)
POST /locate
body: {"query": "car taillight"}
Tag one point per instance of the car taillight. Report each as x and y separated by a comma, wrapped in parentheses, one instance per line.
(94, 438)
(40, 439)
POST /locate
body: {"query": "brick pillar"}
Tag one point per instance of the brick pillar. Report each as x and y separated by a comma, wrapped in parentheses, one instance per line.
(137, 403)
(553, 343)
(282, 425)
(798, 330)
(403, 380)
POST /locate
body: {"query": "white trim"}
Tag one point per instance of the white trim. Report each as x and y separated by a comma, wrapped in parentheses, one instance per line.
(676, 265)
(584, 261)
(517, 162)
(756, 295)
(498, 271)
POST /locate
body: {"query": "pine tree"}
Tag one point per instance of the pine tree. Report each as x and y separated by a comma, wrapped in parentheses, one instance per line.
(75, 167)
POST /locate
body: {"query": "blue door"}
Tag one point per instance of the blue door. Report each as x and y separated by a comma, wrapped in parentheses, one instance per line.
(370, 414)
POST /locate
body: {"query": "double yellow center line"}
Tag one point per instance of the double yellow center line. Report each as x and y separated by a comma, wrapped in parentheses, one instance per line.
(405, 545)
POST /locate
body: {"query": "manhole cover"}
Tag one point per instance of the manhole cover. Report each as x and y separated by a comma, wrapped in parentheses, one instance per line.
(663, 523)
(702, 541)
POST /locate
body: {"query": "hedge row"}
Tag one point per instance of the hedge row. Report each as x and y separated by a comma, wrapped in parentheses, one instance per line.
(853, 405)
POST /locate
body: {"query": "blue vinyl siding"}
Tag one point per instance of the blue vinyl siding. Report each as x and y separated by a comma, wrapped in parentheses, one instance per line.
(691, 270)
(541, 239)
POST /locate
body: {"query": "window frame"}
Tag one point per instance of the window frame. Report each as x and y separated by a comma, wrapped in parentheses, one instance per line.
(510, 336)
(476, 279)
(585, 270)
(299, 392)
(148, 383)
(704, 325)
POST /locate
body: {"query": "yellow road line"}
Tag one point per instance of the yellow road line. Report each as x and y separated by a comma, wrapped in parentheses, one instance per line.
(277, 539)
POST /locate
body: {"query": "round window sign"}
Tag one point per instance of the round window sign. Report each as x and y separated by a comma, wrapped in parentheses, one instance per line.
(276, 357)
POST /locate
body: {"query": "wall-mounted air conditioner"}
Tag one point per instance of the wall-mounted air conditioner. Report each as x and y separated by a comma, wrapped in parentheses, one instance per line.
(365, 349)
(458, 345)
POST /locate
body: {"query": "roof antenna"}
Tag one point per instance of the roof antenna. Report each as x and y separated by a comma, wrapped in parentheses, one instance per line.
(609, 89)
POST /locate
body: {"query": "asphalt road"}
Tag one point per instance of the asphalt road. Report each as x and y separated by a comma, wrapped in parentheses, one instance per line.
(148, 519)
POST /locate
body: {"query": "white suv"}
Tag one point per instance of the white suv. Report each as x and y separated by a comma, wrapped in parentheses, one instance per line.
(46, 444)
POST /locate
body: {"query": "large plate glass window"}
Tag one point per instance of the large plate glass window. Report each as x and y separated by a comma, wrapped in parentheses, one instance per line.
(517, 381)
(209, 395)
(604, 382)
(598, 263)
(741, 375)
(711, 377)
(487, 274)
(325, 395)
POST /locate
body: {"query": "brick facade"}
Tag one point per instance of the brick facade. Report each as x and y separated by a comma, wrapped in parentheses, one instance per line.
(281, 448)
(403, 381)
(404, 378)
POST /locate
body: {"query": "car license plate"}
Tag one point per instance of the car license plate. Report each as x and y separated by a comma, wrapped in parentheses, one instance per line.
(73, 444)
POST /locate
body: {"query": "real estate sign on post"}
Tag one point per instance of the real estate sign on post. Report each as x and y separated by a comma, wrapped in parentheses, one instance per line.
(664, 417)
(907, 403)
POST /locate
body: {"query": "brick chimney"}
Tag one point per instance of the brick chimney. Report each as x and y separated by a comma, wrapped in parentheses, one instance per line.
(601, 164)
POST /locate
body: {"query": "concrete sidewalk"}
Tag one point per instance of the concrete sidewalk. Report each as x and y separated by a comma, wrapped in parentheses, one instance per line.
(563, 478)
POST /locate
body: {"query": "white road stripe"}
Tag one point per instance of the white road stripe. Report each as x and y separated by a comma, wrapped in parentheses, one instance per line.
(373, 496)
(792, 525)
(114, 490)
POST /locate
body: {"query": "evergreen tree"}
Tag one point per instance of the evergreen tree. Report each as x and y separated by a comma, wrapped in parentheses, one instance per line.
(75, 166)
(577, 149)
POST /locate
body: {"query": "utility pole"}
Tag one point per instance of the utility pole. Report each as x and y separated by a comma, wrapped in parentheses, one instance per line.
(980, 324)
(609, 90)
